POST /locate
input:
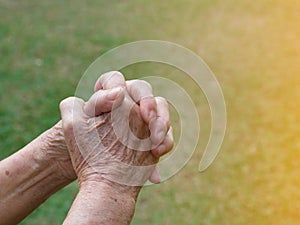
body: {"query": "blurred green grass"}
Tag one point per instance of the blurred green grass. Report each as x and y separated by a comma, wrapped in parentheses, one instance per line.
(252, 47)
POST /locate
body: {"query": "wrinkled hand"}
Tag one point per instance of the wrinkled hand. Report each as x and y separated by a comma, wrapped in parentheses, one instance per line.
(102, 147)
(57, 153)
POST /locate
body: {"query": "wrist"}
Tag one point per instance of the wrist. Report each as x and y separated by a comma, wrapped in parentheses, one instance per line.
(100, 203)
(110, 188)
(119, 201)
(30, 177)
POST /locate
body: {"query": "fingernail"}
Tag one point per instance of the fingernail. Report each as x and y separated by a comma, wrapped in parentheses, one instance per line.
(161, 134)
(152, 114)
(158, 138)
(114, 93)
(159, 151)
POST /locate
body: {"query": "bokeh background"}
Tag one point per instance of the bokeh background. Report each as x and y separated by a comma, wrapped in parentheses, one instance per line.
(253, 47)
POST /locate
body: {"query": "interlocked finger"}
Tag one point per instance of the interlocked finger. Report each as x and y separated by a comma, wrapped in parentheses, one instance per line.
(166, 146)
(110, 80)
(159, 127)
(141, 92)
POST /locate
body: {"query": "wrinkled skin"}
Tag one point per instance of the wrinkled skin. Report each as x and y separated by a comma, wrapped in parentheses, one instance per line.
(98, 154)
(57, 151)
(44, 166)
(110, 162)
(139, 91)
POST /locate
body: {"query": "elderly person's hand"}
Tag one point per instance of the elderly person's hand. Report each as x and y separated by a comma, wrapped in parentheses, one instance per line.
(111, 162)
(44, 166)
(154, 110)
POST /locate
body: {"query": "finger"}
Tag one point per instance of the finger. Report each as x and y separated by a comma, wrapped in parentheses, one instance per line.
(155, 176)
(71, 110)
(141, 92)
(160, 126)
(110, 80)
(104, 101)
(166, 146)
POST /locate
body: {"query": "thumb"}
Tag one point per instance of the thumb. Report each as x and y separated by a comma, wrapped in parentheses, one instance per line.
(104, 100)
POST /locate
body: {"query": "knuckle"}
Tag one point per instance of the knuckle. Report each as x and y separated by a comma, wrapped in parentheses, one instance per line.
(116, 76)
(148, 101)
(66, 102)
(141, 84)
(162, 102)
(67, 107)
(145, 84)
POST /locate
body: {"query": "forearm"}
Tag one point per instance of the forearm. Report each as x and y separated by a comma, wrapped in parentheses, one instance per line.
(99, 203)
(27, 179)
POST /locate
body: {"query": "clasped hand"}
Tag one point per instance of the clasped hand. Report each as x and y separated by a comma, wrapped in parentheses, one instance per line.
(98, 133)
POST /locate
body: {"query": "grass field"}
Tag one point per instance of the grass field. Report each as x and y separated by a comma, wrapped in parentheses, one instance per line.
(253, 48)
